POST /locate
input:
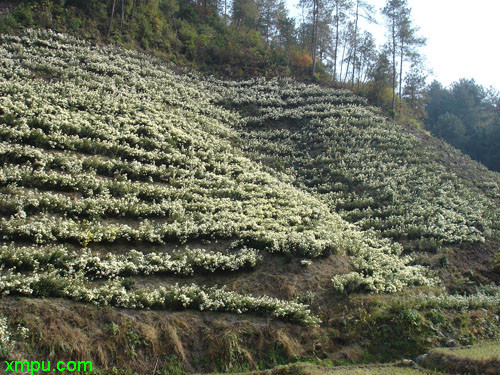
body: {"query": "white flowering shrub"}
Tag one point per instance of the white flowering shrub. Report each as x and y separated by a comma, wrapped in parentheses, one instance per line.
(372, 172)
(92, 134)
(134, 262)
(101, 147)
(487, 298)
(113, 293)
(5, 343)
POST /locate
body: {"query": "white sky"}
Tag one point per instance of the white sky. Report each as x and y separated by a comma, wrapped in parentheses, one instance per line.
(463, 37)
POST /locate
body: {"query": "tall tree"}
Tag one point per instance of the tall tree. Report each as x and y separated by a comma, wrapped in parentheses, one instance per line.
(122, 21)
(315, 24)
(269, 14)
(408, 44)
(245, 12)
(394, 12)
(111, 18)
(315, 8)
(414, 93)
(380, 77)
(287, 36)
(403, 41)
(341, 7)
(367, 57)
(345, 37)
(366, 11)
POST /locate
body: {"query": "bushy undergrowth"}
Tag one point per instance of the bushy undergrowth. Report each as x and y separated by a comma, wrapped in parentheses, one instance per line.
(406, 326)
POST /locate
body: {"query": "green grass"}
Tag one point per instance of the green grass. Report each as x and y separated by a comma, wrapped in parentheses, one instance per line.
(378, 371)
(479, 352)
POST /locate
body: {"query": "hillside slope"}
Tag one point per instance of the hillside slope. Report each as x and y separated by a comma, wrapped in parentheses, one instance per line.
(127, 184)
(373, 172)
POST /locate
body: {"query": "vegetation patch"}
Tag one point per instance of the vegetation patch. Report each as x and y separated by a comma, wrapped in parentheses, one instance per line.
(406, 326)
(480, 352)
(478, 359)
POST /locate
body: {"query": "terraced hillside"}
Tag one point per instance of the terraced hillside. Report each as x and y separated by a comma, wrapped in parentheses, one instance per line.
(371, 171)
(126, 184)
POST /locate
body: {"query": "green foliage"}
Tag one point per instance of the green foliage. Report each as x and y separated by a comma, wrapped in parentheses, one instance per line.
(175, 29)
(466, 115)
(400, 331)
(171, 365)
(407, 326)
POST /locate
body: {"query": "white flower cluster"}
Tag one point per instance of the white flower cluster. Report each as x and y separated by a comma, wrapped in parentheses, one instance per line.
(132, 263)
(101, 145)
(111, 134)
(480, 300)
(4, 333)
(380, 268)
(113, 293)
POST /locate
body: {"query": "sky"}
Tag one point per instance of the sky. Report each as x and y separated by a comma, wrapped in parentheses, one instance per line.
(463, 37)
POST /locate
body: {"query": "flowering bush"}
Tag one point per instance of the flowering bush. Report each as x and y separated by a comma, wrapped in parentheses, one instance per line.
(132, 263)
(104, 146)
(372, 172)
(113, 293)
(124, 137)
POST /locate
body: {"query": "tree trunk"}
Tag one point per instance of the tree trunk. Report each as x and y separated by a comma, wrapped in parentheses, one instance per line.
(267, 26)
(393, 62)
(314, 35)
(336, 43)
(401, 74)
(347, 69)
(123, 15)
(111, 19)
(360, 70)
(342, 63)
(355, 42)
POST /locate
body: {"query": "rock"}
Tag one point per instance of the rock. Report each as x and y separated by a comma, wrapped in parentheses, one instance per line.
(420, 359)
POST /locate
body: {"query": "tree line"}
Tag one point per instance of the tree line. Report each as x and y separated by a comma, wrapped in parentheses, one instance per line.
(467, 116)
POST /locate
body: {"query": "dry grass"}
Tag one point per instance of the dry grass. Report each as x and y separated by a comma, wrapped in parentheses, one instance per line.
(308, 369)
(146, 340)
